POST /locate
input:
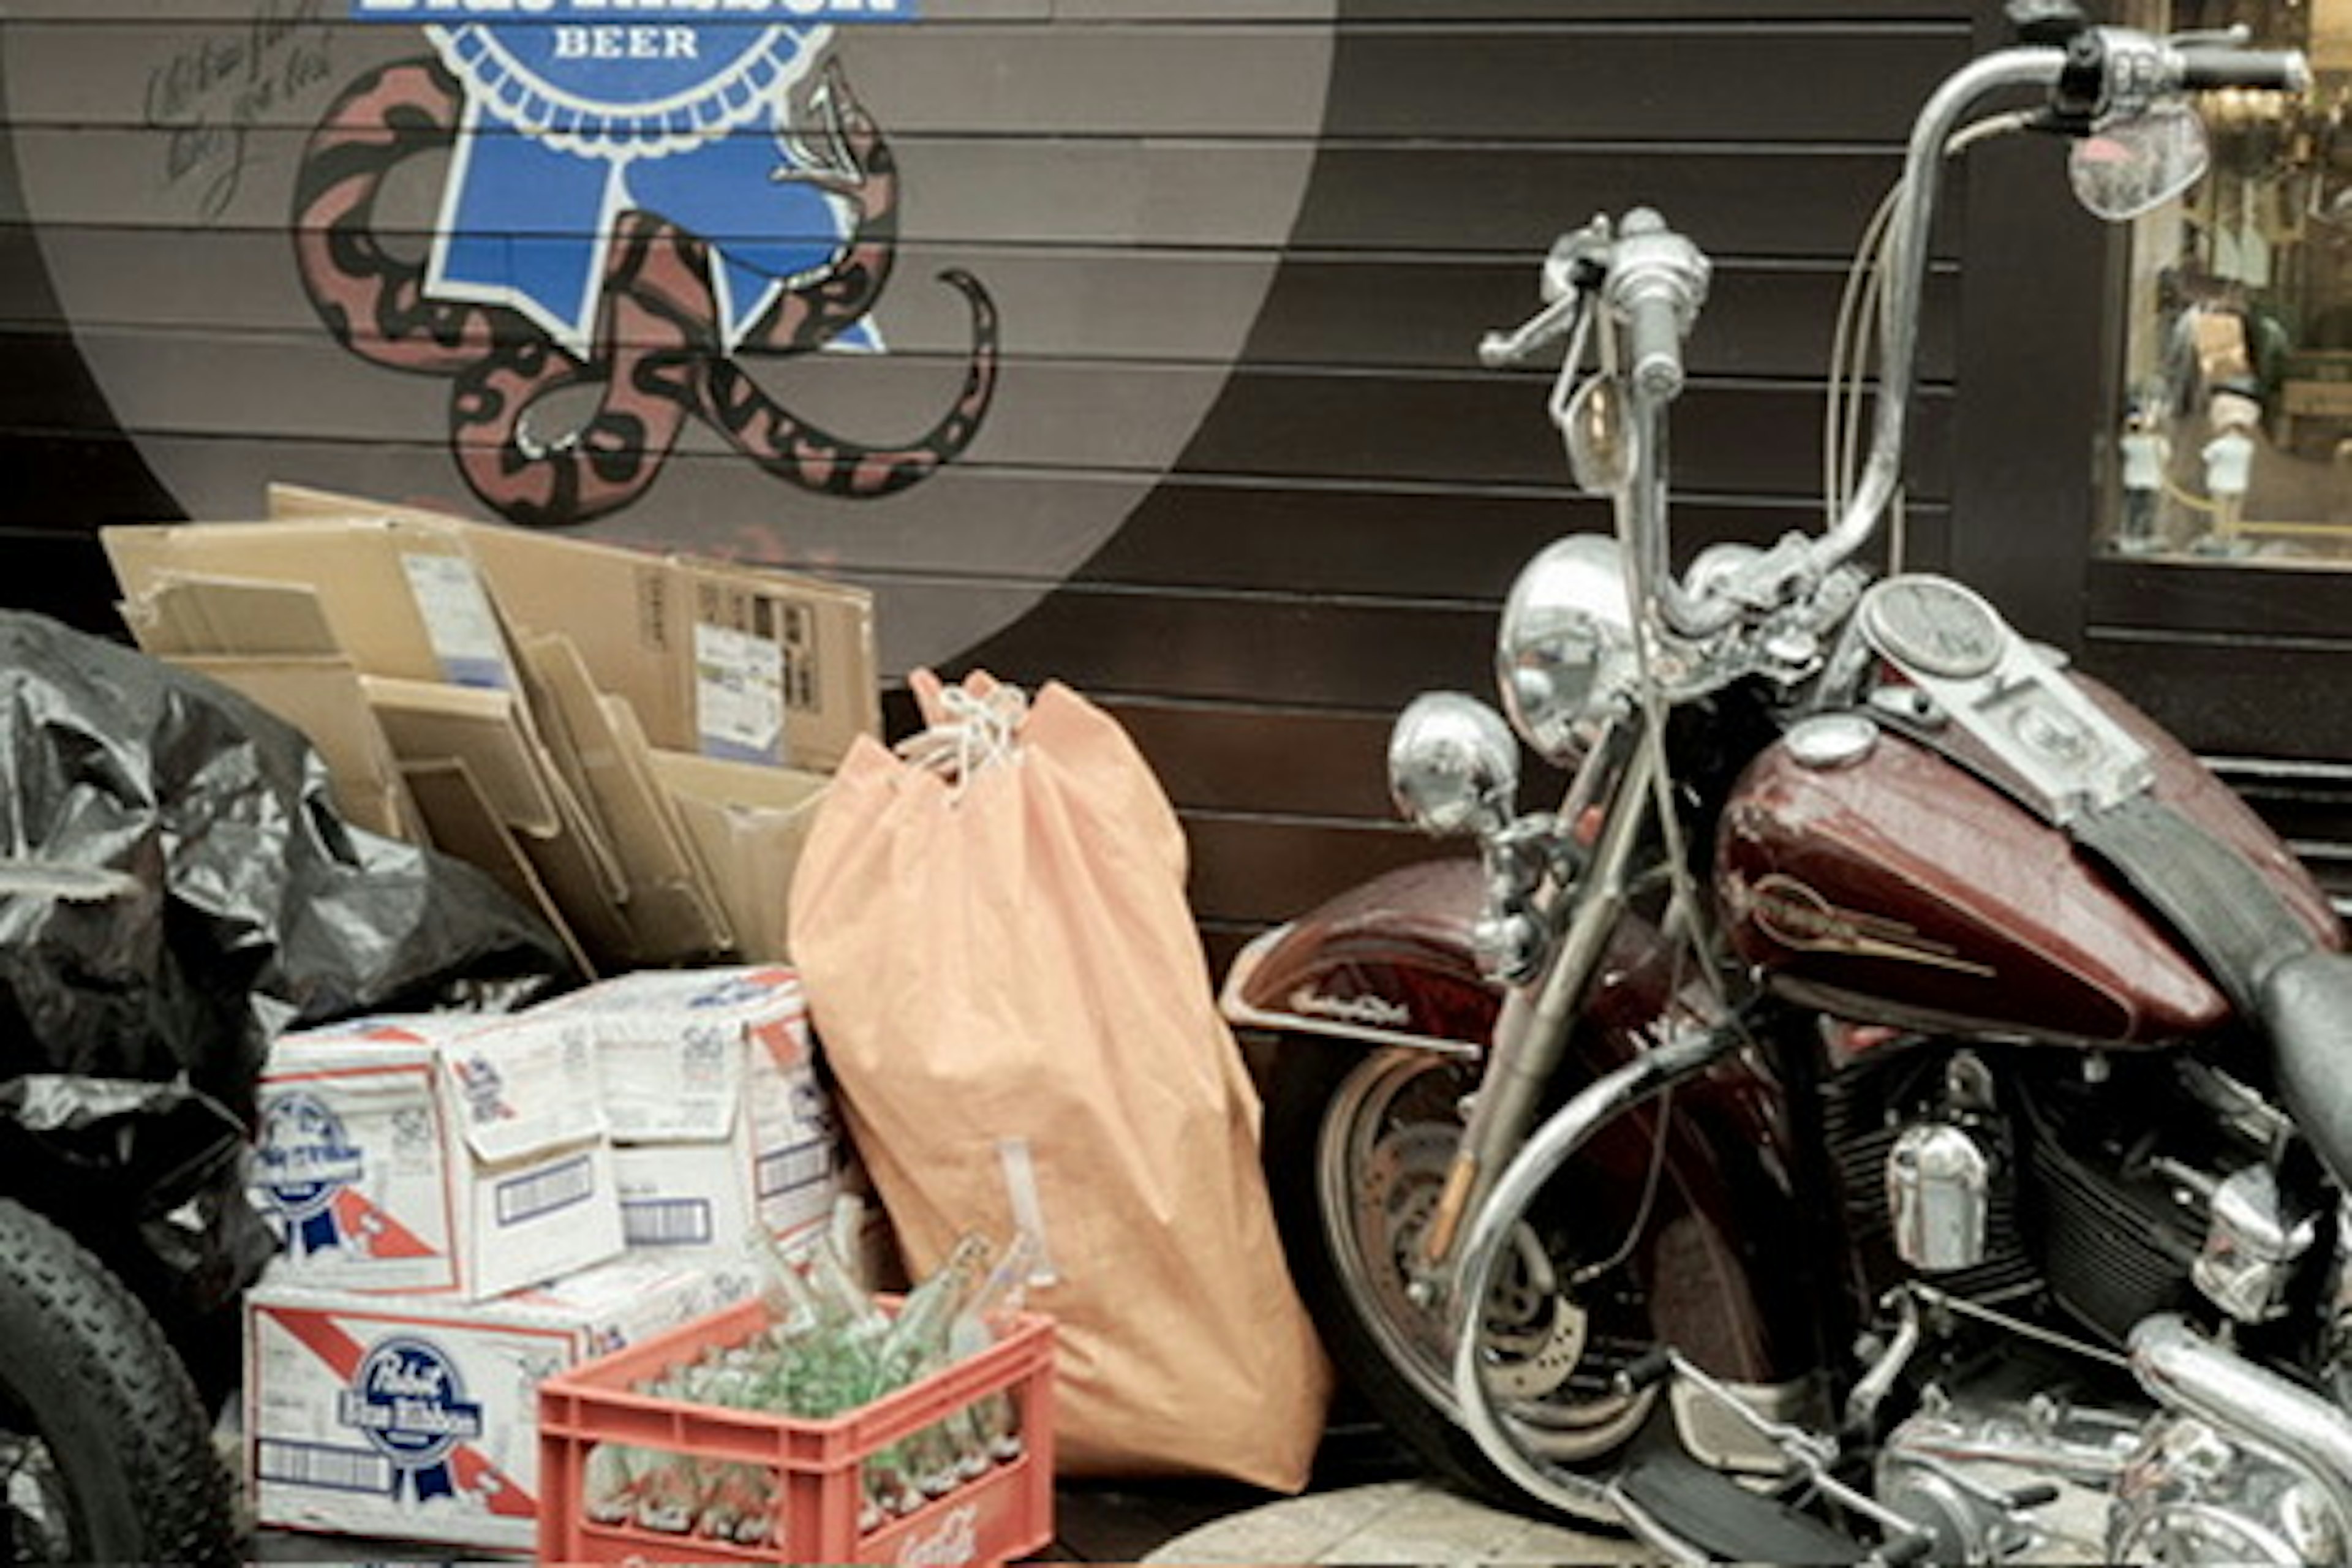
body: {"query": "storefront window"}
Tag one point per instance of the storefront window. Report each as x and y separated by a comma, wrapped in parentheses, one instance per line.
(2233, 439)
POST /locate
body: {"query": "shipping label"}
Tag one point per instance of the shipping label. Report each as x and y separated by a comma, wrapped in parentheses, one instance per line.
(739, 695)
(459, 621)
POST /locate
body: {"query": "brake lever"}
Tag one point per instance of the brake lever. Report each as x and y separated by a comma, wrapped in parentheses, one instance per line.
(2236, 36)
(1572, 276)
(1563, 316)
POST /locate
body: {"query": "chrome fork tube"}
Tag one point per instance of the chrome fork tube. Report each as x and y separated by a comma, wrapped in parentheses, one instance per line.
(1551, 1147)
(1534, 1026)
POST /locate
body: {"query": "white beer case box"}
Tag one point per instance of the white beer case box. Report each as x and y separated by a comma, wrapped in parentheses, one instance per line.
(417, 1418)
(710, 1092)
(434, 1153)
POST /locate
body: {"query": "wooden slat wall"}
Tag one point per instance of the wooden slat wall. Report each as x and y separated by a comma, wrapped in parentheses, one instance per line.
(1340, 530)
(1348, 518)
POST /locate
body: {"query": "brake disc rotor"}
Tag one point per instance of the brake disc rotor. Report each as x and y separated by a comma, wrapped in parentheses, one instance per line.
(1536, 1335)
(1528, 1360)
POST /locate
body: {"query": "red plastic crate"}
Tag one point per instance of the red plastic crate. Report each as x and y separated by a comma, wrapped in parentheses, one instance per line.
(1005, 1514)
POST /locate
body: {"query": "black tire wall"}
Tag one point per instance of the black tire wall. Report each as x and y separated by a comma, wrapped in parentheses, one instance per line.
(85, 1368)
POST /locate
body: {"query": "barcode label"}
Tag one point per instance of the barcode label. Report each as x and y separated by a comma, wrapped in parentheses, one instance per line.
(792, 1167)
(666, 1222)
(543, 1192)
(312, 1465)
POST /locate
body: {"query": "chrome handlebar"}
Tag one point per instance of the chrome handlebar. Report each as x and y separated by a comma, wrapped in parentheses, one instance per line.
(1652, 282)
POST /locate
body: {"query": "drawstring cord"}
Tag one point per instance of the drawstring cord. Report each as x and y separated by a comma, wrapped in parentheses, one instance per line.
(972, 735)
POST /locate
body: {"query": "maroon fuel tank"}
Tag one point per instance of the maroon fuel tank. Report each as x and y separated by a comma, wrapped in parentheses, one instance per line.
(1900, 888)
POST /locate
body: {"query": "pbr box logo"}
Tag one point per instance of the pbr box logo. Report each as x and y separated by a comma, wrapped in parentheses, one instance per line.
(408, 1401)
(305, 1161)
(485, 1089)
(735, 990)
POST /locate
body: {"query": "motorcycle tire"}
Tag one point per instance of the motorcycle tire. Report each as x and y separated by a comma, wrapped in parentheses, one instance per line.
(1368, 1329)
(106, 1453)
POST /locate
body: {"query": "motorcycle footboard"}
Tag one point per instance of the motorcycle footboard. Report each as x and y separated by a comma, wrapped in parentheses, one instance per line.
(1708, 1514)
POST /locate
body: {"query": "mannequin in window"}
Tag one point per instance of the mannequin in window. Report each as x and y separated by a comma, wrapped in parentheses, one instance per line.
(2146, 452)
(2229, 464)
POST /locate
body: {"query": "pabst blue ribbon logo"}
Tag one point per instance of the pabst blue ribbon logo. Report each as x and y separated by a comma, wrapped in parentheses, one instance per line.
(485, 1089)
(408, 1401)
(655, 188)
(303, 1161)
(733, 992)
(580, 109)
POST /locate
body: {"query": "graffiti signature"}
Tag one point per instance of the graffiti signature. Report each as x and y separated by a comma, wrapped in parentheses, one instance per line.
(207, 97)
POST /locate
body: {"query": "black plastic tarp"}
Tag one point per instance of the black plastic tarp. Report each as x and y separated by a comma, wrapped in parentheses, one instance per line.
(151, 1177)
(177, 887)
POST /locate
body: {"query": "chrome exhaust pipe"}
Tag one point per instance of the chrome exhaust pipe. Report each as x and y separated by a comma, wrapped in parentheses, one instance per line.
(2186, 1372)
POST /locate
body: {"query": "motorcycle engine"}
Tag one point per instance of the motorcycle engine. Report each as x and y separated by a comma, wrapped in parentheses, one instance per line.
(2108, 1192)
(2192, 1495)
(2037, 1479)
(2093, 1187)
(1961, 1472)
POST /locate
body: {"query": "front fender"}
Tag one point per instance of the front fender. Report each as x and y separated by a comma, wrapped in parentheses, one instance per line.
(1390, 963)
(1386, 964)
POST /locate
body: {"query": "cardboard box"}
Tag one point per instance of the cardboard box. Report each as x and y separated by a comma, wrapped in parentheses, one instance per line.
(716, 659)
(697, 1203)
(434, 1153)
(524, 770)
(402, 596)
(723, 660)
(418, 1419)
(672, 911)
(179, 615)
(322, 698)
(710, 1087)
(749, 824)
(271, 642)
(489, 731)
(459, 820)
(564, 774)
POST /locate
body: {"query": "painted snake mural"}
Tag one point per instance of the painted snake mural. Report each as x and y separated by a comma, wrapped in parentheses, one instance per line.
(658, 356)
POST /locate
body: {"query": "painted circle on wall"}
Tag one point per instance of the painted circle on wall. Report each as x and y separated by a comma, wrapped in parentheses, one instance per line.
(397, 261)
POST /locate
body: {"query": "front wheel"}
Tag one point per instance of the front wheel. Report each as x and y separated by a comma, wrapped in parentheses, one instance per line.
(1358, 1146)
(105, 1451)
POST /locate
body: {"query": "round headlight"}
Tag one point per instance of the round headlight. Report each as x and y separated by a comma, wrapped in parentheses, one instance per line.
(1453, 765)
(1564, 654)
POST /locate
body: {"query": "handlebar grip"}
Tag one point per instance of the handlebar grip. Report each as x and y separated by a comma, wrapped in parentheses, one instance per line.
(2204, 68)
(1653, 323)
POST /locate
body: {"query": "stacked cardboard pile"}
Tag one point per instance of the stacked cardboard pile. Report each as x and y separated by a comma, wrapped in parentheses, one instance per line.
(470, 1204)
(633, 743)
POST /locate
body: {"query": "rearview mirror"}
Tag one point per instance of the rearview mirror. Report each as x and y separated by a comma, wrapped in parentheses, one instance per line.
(2131, 167)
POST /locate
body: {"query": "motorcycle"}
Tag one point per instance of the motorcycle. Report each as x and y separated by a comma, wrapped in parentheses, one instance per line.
(1895, 1105)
